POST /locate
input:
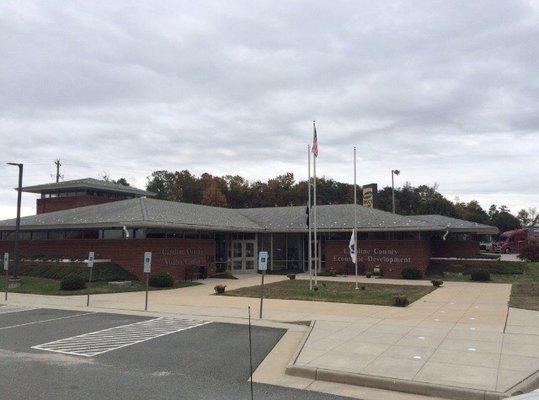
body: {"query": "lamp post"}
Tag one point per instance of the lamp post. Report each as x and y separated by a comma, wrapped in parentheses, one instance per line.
(18, 222)
(393, 173)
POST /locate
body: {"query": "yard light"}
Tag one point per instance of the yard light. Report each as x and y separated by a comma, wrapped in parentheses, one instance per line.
(18, 221)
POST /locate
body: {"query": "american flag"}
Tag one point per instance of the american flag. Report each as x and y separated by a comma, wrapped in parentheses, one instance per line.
(315, 141)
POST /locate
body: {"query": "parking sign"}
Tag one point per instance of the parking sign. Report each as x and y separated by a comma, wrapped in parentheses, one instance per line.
(263, 260)
(6, 261)
(148, 262)
(90, 259)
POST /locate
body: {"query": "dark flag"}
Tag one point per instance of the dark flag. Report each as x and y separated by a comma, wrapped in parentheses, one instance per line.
(307, 212)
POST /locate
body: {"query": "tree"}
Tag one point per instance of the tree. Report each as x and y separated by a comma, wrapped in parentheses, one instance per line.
(532, 211)
(505, 221)
(160, 183)
(524, 217)
(213, 196)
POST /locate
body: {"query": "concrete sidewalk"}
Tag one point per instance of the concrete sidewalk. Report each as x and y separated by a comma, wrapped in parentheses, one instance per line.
(455, 336)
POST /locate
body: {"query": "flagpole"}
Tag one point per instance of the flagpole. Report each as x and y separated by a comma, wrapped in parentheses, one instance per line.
(315, 219)
(355, 218)
(309, 219)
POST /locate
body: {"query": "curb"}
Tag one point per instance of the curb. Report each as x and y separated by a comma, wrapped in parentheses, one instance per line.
(398, 385)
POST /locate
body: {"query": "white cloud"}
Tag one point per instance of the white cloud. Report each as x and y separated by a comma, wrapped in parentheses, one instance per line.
(447, 92)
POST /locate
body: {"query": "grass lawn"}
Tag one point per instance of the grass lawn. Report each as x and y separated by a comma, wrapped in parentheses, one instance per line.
(337, 292)
(34, 285)
(524, 277)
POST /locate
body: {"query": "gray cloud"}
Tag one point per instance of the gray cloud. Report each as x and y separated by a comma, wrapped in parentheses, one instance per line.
(446, 91)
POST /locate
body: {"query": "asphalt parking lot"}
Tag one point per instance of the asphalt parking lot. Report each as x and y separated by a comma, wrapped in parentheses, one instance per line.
(58, 354)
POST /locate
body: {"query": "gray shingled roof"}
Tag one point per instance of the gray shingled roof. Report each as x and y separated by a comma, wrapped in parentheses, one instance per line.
(153, 213)
(140, 212)
(457, 225)
(86, 183)
(333, 218)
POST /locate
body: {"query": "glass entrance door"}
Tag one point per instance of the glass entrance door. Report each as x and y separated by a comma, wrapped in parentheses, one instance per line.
(243, 255)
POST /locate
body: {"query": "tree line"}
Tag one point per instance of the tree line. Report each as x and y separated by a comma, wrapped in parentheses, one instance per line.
(235, 191)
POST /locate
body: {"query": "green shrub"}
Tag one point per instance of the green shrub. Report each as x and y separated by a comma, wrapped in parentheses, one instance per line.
(161, 279)
(400, 301)
(102, 272)
(437, 282)
(411, 273)
(219, 289)
(72, 282)
(530, 251)
(292, 277)
(224, 275)
(480, 275)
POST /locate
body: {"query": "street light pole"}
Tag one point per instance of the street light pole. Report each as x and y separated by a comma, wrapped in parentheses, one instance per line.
(18, 222)
(393, 172)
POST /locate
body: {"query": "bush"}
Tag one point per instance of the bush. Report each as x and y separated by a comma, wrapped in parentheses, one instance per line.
(530, 251)
(330, 272)
(161, 279)
(400, 301)
(224, 275)
(291, 276)
(411, 273)
(219, 289)
(368, 275)
(437, 282)
(72, 282)
(480, 275)
(102, 272)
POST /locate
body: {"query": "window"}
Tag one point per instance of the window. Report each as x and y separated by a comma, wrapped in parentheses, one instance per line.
(74, 234)
(56, 235)
(91, 234)
(39, 235)
(113, 234)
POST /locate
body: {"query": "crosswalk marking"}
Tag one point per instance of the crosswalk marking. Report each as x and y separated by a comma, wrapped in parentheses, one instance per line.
(12, 309)
(99, 342)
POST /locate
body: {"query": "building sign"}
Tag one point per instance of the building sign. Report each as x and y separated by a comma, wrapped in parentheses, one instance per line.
(370, 194)
(186, 256)
(392, 256)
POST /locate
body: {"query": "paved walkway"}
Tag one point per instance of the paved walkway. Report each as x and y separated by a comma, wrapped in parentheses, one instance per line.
(455, 336)
(460, 335)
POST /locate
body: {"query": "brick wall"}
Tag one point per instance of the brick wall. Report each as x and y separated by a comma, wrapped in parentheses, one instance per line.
(170, 255)
(64, 203)
(453, 248)
(391, 255)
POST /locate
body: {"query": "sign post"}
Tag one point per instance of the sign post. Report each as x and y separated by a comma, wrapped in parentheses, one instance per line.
(147, 270)
(262, 266)
(90, 263)
(6, 268)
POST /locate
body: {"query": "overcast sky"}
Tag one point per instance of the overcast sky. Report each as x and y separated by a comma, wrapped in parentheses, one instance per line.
(446, 91)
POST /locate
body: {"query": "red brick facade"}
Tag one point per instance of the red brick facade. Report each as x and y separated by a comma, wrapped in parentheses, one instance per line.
(391, 255)
(64, 203)
(170, 255)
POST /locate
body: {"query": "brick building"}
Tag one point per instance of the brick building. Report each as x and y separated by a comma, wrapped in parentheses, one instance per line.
(120, 223)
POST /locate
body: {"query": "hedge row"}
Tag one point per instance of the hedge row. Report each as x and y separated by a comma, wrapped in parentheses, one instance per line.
(462, 267)
(102, 272)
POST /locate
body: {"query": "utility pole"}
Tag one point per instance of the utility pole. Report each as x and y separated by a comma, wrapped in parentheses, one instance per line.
(18, 221)
(58, 165)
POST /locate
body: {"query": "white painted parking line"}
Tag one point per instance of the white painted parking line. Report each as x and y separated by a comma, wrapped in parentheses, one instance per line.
(42, 321)
(12, 309)
(99, 342)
